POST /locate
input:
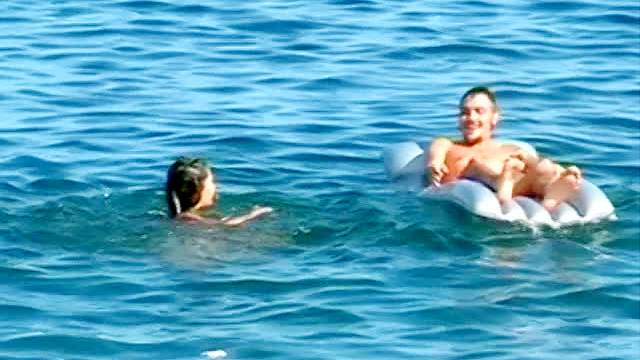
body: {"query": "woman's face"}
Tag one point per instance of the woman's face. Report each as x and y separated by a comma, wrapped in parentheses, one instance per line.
(208, 193)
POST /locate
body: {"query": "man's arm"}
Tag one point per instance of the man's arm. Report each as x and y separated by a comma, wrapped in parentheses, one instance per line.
(436, 160)
(494, 165)
(521, 154)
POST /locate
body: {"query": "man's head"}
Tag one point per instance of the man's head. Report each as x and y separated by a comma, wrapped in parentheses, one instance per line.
(479, 114)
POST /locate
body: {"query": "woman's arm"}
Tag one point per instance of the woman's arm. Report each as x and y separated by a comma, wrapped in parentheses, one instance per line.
(232, 221)
(255, 213)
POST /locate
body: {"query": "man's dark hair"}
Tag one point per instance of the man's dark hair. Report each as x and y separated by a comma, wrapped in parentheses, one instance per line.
(480, 90)
(184, 183)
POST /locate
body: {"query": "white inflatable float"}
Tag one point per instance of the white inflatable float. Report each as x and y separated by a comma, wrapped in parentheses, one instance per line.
(405, 164)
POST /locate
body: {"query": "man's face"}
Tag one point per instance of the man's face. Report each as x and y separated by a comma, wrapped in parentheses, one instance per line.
(478, 117)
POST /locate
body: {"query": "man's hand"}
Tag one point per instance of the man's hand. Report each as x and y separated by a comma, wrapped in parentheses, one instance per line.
(437, 156)
(438, 171)
(515, 163)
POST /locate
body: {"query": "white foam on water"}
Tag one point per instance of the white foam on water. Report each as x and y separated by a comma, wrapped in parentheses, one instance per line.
(215, 354)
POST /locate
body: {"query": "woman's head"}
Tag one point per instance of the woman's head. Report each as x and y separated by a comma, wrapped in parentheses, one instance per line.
(190, 186)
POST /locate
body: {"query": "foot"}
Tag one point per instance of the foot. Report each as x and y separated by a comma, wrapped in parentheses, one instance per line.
(563, 188)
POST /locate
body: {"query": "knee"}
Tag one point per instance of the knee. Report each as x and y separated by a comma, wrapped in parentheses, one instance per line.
(575, 171)
(546, 168)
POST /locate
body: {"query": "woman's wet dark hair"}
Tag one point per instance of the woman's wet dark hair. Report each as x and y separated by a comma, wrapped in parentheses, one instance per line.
(184, 183)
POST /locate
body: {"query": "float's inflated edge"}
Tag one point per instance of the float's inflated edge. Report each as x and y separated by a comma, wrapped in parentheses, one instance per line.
(405, 165)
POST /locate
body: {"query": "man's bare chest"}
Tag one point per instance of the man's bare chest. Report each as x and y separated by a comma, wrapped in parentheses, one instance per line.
(459, 156)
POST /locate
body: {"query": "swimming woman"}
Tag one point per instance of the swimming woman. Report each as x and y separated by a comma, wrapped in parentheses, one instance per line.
(191, 188)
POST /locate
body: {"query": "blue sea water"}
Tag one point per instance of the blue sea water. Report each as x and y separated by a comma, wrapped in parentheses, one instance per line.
(293, 102)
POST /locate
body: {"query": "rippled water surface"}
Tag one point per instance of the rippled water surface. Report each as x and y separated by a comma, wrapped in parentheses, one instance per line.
(293, 102)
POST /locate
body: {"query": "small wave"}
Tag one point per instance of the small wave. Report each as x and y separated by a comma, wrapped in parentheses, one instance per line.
(78, 342)
(231, 90)
(58, 186)
(556, 6)
(143, 5)
(469, 333)
(21, 312)
(84, 34)
(150, 297)
(32, 163)
(592, 330)
(418, 30)
(290, 58)
(312, 47)
(128, 49)
(458, 49)
(326, 157)
(352, 2)
(310, 315)
(13, 20)
(99, 65)
(329, 83)
(279, 27)
(193, 9)
(153, 23)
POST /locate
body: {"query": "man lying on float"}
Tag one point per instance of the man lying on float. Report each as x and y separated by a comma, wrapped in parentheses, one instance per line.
(507, 169)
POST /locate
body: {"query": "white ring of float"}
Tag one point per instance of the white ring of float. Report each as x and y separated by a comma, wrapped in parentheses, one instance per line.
(405, 164)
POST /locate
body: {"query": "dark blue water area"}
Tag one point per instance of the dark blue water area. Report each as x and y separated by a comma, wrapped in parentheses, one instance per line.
(293, 102)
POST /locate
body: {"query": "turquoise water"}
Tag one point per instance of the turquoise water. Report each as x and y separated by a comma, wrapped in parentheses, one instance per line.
(294, 101)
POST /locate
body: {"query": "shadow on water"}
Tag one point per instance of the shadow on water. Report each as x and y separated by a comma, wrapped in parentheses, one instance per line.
(438, 228)
(135, 223)
(348, 259)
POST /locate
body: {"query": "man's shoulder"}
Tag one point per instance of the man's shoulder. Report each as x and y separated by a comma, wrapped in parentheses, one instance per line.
(460, 148)
(508, 146)
(511, 148)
